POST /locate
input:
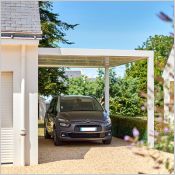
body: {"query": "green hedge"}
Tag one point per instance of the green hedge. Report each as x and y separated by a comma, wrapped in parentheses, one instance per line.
(122, 126)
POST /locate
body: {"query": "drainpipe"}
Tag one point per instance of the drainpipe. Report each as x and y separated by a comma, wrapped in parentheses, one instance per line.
(0, 101)
(0, 113)
(23, 130)
(107, 84)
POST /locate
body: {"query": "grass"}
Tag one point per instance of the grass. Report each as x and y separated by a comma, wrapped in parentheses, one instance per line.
(40, 127)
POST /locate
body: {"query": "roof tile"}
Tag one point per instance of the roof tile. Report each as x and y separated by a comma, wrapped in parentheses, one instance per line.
(20, 17)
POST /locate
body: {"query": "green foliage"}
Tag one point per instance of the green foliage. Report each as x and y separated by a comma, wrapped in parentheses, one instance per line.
(124, 96)
(122, 126)
(82, 86)
(52, 80)
(52, 27)
(100, 82)
(125, 99)
(161, 45)
(165, 142)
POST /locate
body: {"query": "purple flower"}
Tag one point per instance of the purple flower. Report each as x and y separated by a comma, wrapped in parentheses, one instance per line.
(164, 17)
(135, 132)
(127, 138)
(166, 130)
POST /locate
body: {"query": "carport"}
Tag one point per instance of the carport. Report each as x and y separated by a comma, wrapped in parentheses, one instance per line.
(104, 58)
(19, 86)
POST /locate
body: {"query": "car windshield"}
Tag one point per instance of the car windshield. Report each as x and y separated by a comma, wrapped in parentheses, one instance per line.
(79, 104)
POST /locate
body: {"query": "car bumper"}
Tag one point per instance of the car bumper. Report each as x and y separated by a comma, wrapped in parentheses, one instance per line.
(72, 134)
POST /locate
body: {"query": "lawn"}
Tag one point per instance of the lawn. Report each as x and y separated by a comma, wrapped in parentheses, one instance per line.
(40, 127)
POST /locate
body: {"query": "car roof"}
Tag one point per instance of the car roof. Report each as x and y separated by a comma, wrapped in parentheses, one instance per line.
(76, 96)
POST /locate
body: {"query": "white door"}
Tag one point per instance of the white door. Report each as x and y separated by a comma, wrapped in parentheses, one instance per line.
(6, 117)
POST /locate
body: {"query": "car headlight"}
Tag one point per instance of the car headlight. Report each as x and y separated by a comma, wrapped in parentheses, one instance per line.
(108, 121)
(63, 122)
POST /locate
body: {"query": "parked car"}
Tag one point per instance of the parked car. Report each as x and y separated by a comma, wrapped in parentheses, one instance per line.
(77, 118)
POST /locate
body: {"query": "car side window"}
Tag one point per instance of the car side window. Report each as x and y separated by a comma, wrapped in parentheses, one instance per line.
(55, 108)
(50, 110)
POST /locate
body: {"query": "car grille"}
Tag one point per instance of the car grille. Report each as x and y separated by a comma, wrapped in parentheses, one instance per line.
(77, 127)
(86, 135)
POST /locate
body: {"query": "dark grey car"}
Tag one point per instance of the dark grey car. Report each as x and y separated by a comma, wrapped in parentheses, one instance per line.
(77, 118)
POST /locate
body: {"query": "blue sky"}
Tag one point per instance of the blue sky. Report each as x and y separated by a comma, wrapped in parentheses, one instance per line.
(112, 25)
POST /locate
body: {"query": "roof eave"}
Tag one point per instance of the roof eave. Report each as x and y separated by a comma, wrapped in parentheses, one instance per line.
(13, 35)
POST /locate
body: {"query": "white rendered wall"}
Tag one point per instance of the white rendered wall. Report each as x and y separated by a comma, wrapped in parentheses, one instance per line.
(150, 100)
(168, 114)
(11, 61)
(168, 75)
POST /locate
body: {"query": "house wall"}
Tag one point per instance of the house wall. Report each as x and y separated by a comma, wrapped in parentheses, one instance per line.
(11, 61)
(169, 101)
(168, 76)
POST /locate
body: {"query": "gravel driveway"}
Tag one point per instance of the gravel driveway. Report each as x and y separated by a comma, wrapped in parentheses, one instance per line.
(88, 158)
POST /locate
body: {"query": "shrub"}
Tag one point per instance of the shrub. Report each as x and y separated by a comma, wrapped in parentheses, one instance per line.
(165, 141)
(122, 126)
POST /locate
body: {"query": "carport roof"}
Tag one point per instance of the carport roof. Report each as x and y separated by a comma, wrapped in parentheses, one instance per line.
(72, 57)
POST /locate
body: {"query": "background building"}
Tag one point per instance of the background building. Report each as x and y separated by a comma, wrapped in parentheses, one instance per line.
(73, 74)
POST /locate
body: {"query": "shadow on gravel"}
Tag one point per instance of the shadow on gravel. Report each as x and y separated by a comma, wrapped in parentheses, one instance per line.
(48, 152)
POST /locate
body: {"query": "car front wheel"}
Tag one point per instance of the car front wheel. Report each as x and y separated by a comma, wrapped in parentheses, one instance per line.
(56, 139)
(107, 142)
(46, 134)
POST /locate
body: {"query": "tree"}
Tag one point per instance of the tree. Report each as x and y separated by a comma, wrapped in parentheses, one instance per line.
(125, 100)
(161, 45)
(82, 86)
(100, 82)
(52, 80)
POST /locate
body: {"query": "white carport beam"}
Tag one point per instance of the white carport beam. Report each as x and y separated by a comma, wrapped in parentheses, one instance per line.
(150, 100)
(107, 84)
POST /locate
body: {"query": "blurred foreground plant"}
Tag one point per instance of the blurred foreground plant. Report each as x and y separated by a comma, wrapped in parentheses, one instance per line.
(155, 155)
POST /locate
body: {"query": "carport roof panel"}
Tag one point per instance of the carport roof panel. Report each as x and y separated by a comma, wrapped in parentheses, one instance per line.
(70, 57)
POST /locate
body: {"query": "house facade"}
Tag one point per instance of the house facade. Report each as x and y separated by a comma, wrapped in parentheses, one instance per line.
(20, 34)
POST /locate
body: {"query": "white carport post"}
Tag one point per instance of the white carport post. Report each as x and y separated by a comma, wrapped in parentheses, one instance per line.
(107, 84)
(150, 100)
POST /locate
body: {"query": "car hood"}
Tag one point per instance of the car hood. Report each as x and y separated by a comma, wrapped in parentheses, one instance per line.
(83, 115)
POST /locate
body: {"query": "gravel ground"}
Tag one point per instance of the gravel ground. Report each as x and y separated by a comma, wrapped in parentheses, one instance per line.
(88, 158)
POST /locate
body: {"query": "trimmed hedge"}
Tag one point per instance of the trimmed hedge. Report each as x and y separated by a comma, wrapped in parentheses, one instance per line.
(122, 126)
